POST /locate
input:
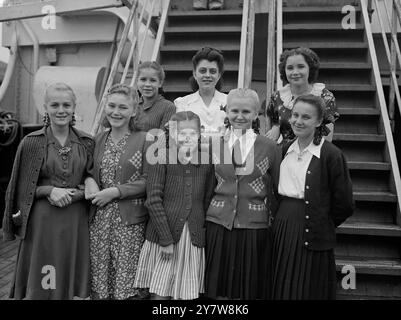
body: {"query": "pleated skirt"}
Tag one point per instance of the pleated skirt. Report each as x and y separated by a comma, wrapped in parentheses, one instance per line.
(299, 273)
(180, 277)
(53, 259)
(238, 263)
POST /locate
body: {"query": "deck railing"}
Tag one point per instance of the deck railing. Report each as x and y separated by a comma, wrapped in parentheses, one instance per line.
(393, 53)
(383, 108)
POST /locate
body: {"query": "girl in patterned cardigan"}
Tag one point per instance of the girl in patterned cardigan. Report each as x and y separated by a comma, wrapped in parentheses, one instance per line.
(172, 260)
(118, 215)
(238, 246)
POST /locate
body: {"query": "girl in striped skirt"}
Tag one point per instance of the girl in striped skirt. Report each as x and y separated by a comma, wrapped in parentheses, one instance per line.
(179, 189)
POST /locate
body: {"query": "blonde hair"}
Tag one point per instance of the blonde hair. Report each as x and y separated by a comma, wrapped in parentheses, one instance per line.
(60, 87)
(130, 93)
(242, 93)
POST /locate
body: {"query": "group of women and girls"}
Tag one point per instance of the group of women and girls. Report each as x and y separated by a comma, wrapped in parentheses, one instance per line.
(114, 225)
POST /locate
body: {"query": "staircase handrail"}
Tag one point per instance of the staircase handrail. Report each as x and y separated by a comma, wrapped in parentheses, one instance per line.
(392, 55)
(160, 30)
(114, 67)
(274, 49)
(383, 108)
(279, 42)
(142, 44)
(243, 42)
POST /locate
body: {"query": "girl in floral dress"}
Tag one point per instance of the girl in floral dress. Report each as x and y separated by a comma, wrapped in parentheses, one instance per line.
(117, 191)
(299, 70)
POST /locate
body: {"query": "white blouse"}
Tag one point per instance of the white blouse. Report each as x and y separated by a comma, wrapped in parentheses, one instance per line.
(246, 142)
(211, 117)
(293, 169)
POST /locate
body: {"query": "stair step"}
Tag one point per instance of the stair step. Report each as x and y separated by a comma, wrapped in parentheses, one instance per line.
(359, 137)
(351, 87)
(374, 196)
(361, 165)
(371, 229)
(359, 111)
(183, 47)
(371, 266)
(203, 29)
(325, 45)
(319, 26)
(188, 67)
(345, 65)
(305, 9)
(189, 13)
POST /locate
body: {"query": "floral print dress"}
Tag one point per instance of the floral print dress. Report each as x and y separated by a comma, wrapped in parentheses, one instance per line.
(282, 102)
(115, 247)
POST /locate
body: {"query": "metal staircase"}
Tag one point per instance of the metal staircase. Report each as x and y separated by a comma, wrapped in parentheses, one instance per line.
(370, 240)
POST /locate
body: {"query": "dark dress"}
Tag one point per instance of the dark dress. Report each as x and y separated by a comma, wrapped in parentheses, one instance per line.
(57, 239)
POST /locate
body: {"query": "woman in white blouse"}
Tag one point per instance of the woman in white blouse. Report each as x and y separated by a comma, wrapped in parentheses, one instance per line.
(316, 197)
(207, 102)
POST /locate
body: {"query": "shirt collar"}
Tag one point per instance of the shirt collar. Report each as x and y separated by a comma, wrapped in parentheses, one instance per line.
(286, 94)
(218, 96)
(72, 137)
(249, 137)
(312, 148)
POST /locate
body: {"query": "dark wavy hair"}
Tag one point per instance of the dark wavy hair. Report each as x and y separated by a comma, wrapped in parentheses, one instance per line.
(182, 116)
(130, 93)
(320, 107)
(310, 57)
(209, 54)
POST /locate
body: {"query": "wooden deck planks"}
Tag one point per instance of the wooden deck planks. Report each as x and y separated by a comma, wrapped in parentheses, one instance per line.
(8, 255)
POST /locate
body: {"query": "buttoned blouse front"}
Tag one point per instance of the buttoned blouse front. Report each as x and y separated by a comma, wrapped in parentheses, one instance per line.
(294, 167)
(64, 169)
(212, 117)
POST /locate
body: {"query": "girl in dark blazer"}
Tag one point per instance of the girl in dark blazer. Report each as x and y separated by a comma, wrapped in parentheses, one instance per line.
(117, 191)
(316, 197)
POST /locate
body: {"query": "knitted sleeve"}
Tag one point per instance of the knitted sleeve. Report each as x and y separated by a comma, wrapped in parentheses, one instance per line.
(154, 203)
(10, 199)
(342, 205)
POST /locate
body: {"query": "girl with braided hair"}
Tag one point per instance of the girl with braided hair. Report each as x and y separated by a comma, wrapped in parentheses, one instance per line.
(179, 190)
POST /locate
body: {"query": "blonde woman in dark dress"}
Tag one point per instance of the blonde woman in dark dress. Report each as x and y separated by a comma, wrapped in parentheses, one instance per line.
(45, 205)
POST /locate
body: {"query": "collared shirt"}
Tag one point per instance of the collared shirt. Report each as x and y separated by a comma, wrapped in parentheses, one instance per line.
(212, 117)
(293, 169)
(246, 142)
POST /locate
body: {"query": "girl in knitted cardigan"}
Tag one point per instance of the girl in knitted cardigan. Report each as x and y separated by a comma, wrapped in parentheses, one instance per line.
(179, 190)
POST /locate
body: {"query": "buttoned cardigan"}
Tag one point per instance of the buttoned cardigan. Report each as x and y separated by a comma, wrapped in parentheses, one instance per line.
(178, 193)
(20, 193)
(249, 200)
(328, 197)
(130, 177)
